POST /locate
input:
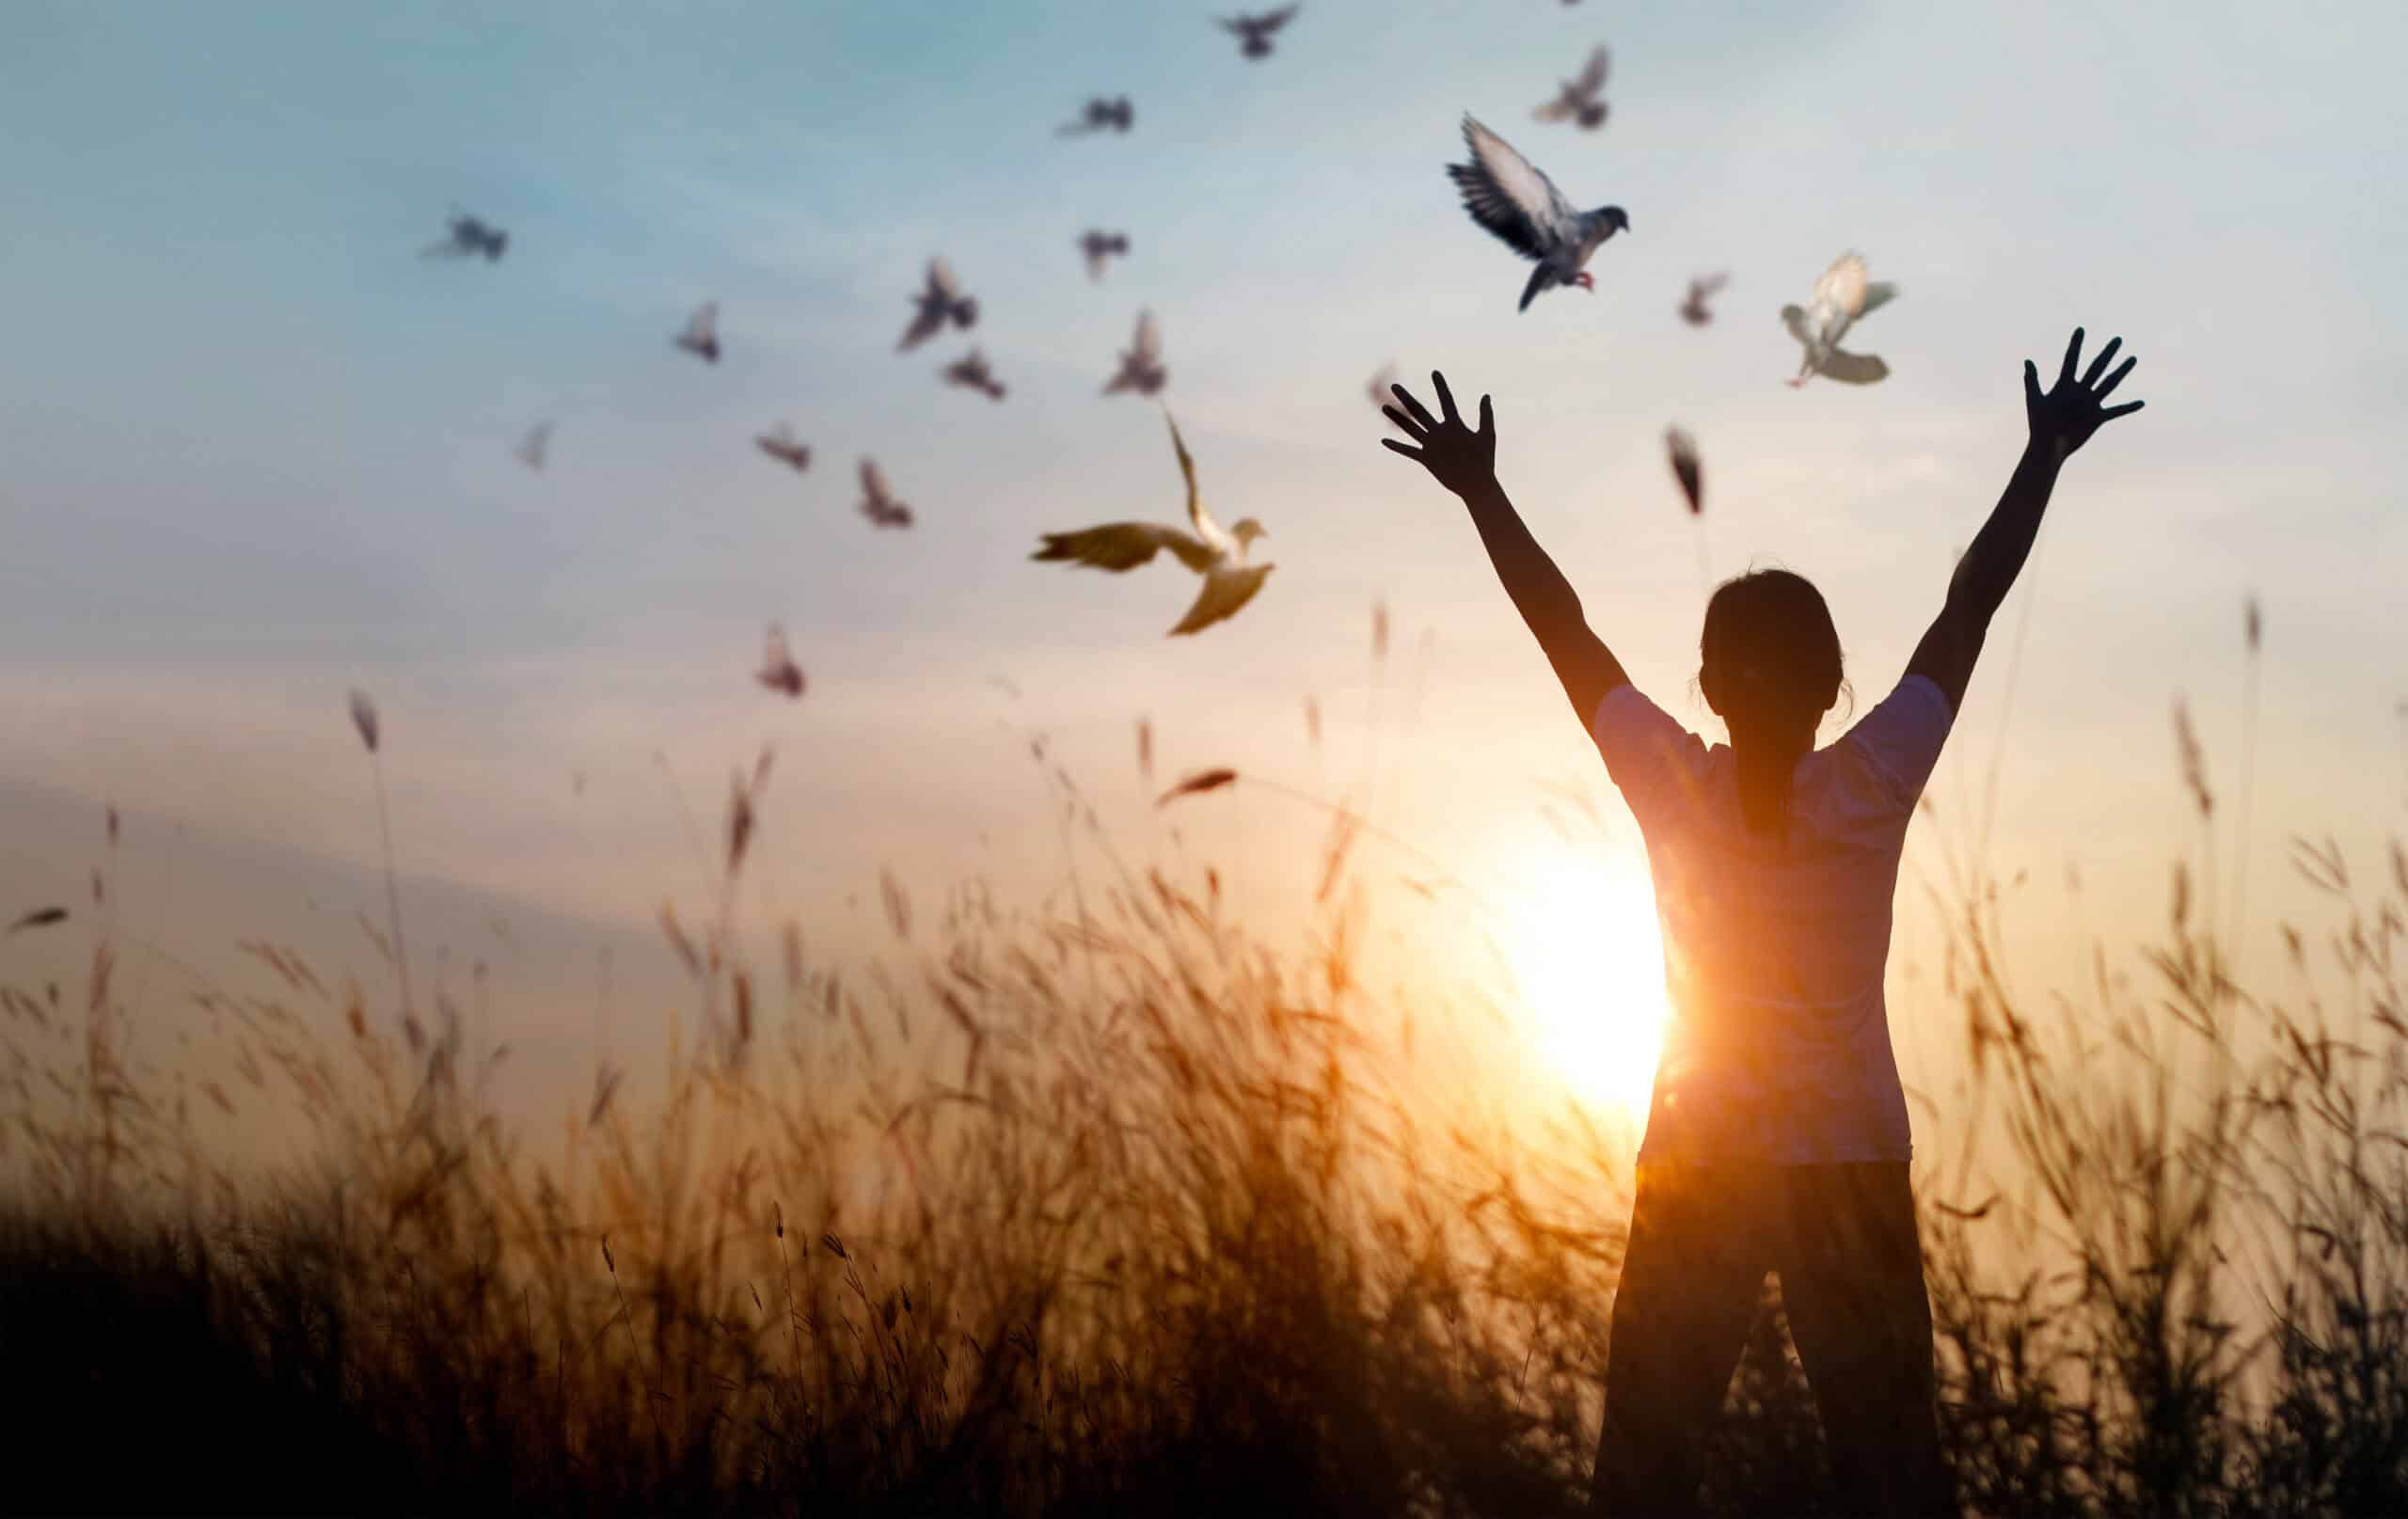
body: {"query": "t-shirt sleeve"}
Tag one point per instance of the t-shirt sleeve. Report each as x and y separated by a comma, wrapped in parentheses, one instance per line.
(1651, 757)
(1900, 739)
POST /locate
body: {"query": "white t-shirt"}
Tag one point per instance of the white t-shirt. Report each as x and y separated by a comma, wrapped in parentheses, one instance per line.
(1779, 1046)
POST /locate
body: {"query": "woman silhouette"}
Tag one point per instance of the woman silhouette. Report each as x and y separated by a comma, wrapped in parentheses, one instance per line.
(1777, 1138)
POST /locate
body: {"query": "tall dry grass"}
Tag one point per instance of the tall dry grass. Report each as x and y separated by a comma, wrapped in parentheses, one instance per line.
(1110, 1208)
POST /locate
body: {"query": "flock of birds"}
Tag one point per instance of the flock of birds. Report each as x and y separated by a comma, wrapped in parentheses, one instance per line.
(1501, 190)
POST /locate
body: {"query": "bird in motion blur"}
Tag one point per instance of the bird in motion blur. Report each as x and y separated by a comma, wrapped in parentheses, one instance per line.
(1255, 32)
(535, 447)
(467, 236)
(1383, 383)
(1141, 368)
(1216, 553)
(939, 301)
(1841, 297)
(1687, 467)
(1578, 98)
(877, 500)
(1101, 114)
(1507, 195)
(781, 444)
(1702, 288)
(701, 336)
(970, 373)
(778, 670)
(1098, 248)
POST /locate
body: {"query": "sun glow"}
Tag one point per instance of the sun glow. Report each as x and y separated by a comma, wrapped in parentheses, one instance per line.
(1589, 962)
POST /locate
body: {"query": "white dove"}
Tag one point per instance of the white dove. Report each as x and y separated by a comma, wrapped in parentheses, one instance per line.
(536, 446)
(939, 301)
(1841, 296)
(1217, 554)
(1507, 195)
(877, 500)
(701, 336)
(1141, 367)
(1577, 100)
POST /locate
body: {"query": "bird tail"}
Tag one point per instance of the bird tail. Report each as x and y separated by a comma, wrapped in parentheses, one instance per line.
(1541, 277)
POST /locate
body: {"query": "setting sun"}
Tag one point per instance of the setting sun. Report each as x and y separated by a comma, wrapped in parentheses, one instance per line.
(1590, 962)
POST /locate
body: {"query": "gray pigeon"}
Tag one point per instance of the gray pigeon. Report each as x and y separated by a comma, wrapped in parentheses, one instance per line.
(1100, 246)
(468, 236)
(1507, 195)
(1101, 114)
(940, 301)
(1254, 33)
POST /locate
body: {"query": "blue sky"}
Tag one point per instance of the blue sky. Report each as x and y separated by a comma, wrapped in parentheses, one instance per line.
(257, 452)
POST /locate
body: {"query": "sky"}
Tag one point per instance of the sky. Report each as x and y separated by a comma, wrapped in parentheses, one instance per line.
(257, 452)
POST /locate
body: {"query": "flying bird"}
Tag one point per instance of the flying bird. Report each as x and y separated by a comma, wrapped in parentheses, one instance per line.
(1841, 297)
(532, 448)
(1702, 288)
(701, 336)
(1141, 367)
(1255, 32)
(1577, 98)
(877, 500)
(970, 373)
(1099, 247)
(1687, 467)
(468, 236)
(1212, 551)
(939, 301)
(778, 670)
(780, 443)
(1101, 113)
(1507, 195)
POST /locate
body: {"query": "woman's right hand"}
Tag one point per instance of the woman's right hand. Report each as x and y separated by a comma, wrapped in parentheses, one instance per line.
(2064, 416)
(1458, 457)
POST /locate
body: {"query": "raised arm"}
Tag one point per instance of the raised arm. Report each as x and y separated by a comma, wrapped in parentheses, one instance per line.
(1464, 461)
(2062, 420)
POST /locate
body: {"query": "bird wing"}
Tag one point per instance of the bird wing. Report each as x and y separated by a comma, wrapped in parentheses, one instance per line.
(1508, 194)
(1227, 589)
(774, 653)
(1272, 21)
(1214, 536)
(1558, 109)
(924, 325)
(1592, 73)
(1841, 289)
(1876, 296)
(1852, 369)
(703, 326)
(1793, 318)
(1120, 546)
(1704, 285)
(874, 481)
(1148, 346)
(940, 281)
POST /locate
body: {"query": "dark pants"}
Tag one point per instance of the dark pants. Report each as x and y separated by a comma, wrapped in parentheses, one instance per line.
(1843, 1239)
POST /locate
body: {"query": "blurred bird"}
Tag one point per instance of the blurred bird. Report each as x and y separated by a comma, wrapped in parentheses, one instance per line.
(970, 373)
(468, 236)
(1099, 247)
(1218, 555)
(778, 670)
(1687, 467)
(1255, 32)
(1841, 296)
(779, 443)
(1507, 195)
(532, 448)
(1693, 310)
(877, 500)
(701, 336)
(1577, 101)
(1101, 113)
(1141, 367)
(940, 301)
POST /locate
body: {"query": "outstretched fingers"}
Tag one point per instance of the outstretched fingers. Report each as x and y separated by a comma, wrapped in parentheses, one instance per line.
(2116, 379)
(1487, 419)
(1445, 400)
(1421, 417)
(1412, 429)
(1406, 448)
(2124, 410)
(2098, 364)
(2073, 356)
